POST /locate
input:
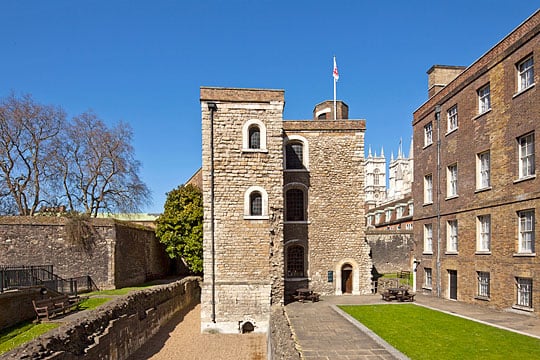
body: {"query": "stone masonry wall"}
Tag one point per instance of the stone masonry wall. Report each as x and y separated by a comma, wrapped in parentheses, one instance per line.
(391, 251)
(248, 252)
(17, 306)
(120, 255)
(116, 329)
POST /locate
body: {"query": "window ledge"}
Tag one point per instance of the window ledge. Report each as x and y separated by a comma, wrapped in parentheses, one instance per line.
(451, 197)
(256, 217)
(524, 254)
(427, 253)
(427, 288)
(427, 145)
(523, 91)
(482, 189)
(523, 308)
(525, 178)
(296, 170)
(255, 150)
(483, 298)
(427, 203)
(482, 114)
(451, 253)
(297, 222)
(482, 252)
(451, 131)
(296, 278)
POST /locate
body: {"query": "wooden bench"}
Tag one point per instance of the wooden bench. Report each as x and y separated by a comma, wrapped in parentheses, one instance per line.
(47, 308)
(407, 297)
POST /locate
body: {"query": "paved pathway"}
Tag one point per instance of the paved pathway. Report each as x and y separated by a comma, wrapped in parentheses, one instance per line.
(325, 334)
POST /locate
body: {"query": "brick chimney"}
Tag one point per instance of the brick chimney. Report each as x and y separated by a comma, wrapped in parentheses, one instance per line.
(441, 75)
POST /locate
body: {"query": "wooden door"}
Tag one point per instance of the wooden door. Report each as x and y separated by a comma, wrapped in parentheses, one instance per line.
(346, 279)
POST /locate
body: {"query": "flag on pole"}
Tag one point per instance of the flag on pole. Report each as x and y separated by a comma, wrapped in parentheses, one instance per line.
(335, 72)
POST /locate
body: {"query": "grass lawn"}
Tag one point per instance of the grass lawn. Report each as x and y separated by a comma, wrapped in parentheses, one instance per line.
(22, 333)
(422, 333)
(122, 291)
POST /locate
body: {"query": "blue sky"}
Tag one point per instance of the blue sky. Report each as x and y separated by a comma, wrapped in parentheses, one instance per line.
(143, 62)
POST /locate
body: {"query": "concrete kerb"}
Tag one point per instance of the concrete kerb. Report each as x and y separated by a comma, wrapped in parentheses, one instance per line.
(392, 350)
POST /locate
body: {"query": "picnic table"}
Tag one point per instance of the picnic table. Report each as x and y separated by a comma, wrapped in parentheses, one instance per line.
(303, 294)
(399, 293)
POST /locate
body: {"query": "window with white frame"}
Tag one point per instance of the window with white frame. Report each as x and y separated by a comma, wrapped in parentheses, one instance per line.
(254, 136)
(428, 134)
(388, 214)
(452, 180)
(525, 73)
(483, 172)
(526, 232)
(399, 212)
(483, 284)
(408, 226)
(526, 155)
(483, 231)
(452, 236)
(411, 209)
(428, 238)
(428, 278)
(452, 118)
(484, 99)
(377, 218)
(524, 292)
(255, 203)
(428, 189)
(296, 153)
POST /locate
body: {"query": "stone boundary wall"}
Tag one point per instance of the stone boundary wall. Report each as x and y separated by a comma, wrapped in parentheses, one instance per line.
(391, 250)
(120, 255)
(115, 330)
(281, 344)
(17, 306)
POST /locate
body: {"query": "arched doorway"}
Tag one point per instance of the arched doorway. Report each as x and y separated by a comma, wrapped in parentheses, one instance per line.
(347, 279)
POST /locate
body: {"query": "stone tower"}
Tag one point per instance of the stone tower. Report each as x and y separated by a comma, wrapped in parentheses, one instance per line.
(283, 206)
(375, 179)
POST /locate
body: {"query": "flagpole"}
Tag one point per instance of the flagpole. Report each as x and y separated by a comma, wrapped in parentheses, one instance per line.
(334, 98)
(335, 75)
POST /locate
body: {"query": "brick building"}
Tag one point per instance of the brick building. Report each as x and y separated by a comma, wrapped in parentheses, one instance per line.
(283, 205)
(476, 191)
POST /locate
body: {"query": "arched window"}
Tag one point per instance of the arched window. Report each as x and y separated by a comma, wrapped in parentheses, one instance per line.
(294, 155)
(295, 205)
(254, 137)
(255, 203)
(295, 261)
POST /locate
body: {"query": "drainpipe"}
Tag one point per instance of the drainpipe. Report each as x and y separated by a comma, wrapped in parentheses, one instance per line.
(212, 107)
(438, 122)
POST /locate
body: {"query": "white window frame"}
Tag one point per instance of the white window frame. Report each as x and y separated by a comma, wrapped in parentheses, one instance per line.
(428, 134)
(483, 234)
(483, 279)
(428, 189)
(428, 278)
(428, 238)
(247, 203)
(245, 135)
(452, 115)
(525, 72)
(484, 99)
(452, 180)
(526, 155)
(483, 170)
(526, 231)
(452, 236)
(399, 212)
(524, 292)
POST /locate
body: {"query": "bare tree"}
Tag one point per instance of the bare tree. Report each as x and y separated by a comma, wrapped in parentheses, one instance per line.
(27, 130)
(98, 170)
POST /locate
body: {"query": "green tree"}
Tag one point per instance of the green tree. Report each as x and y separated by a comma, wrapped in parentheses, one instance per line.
(180, 227)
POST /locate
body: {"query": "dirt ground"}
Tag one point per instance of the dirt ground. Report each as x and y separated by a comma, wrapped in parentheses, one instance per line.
(181, 338)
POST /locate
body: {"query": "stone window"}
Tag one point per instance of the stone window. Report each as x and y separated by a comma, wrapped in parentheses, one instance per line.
(296, 153)
(428, 239)
(483, 284)
(452, 118)
(484, 99)
(295, 210)
(526, 232)
(255, 203)
(525, 71)
(524, 292)
(483, 170)
(452, 236)
(483, 234)
(526, 155)
(254, 136)
(295, 261)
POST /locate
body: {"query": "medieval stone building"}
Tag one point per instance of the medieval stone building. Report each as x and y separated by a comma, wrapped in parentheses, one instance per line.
(283, 206)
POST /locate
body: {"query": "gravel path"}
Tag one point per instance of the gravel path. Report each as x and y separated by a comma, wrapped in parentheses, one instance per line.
(181, 338)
